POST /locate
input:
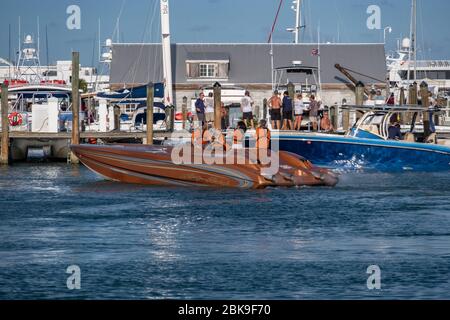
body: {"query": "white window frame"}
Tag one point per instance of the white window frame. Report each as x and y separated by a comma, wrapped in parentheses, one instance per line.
(209, 68)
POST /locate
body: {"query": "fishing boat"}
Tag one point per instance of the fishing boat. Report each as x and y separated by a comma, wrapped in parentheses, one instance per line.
(367, 144)
(154, 165)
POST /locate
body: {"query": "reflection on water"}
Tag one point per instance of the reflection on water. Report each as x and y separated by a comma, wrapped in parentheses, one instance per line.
(140, 242)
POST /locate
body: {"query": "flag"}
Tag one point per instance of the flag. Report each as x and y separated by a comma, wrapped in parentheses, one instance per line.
(315, 52)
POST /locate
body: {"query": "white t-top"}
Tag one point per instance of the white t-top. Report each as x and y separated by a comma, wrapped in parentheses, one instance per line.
(246, 104)
(299, 106)
(209, 103)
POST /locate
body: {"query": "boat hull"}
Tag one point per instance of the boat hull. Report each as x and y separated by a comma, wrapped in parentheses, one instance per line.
(355, 153)
(153, 165)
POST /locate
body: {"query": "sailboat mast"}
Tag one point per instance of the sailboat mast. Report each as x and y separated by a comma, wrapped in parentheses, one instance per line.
(412, 53)
(297, 20)
(414, 42)
(166, 51)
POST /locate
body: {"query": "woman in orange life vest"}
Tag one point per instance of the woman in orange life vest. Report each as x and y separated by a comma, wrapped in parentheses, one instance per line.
(239, 135)
(262, 136)
(203, 136)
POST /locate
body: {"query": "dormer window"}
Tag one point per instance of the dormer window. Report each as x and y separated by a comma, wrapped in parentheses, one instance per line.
(211, 66)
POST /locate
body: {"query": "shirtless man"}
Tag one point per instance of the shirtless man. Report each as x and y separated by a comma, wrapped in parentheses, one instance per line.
(275, 110)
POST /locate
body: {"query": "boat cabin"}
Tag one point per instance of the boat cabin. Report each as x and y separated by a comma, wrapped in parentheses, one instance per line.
(377, 121)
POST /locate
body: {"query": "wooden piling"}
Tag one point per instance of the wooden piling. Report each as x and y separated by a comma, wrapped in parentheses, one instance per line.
(412, 100)
(334, 116)
(345, 116)
(412, 94)
(425, 104)
(291, 91)
(4, 158)
(359, 97)
(150, 99)
(184, 111)
(265, 108)
(402, 103)
(117, 113)
(75, 103)
(402, 96)
(217, 106)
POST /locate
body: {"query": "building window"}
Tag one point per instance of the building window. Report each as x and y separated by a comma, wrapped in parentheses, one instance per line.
(208, 70)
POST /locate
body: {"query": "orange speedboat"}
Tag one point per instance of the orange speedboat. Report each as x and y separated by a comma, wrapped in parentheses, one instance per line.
(154, 165)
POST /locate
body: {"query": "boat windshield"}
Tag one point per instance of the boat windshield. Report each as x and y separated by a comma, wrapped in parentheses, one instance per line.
(370, 126)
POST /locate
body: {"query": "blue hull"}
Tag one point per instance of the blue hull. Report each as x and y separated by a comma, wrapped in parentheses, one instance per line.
(356, 153)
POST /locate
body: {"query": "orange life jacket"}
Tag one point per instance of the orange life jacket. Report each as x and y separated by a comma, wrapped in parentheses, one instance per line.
(262, 138)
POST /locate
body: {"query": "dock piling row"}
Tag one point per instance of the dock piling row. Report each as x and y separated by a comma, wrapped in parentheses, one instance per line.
(4, 158)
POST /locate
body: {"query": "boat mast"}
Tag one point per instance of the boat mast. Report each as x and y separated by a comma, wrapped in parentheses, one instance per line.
(412, 54)
(166, 51)
(20, 47)
(297, 20)
(414, 42)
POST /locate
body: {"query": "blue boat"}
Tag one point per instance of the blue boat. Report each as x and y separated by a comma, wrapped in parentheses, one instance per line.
(367, 145)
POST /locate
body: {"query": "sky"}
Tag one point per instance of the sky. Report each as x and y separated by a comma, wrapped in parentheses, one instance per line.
(218, 21)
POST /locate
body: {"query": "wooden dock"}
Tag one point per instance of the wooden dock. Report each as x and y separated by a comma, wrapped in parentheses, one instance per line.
(113, 135)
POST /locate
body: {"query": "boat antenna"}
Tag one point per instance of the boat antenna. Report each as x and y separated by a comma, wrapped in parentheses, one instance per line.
(20, 46)
(38, 45)
(9, 50)
(99, 41)
(46, 48)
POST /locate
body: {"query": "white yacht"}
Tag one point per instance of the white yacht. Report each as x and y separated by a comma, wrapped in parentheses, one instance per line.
(435, 72)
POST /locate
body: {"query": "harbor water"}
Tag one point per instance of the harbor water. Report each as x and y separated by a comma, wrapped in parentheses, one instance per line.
(137, 242)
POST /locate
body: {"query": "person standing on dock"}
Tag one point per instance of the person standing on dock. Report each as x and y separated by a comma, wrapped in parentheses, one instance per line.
(200, 108)
(313, 112)
(287, 112)
(299, 107)
(247, 109)
(224, 116)
(275, 110)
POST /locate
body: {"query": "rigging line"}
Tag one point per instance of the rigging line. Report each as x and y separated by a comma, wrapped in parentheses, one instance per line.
(364, 75)
(275, 22)
(339, 20)
(422, 37)
(155, 57)
(93, 56)
(116, 29)
(148, 26)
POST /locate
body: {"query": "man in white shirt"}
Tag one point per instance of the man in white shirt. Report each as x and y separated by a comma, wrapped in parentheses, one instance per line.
(247, 109)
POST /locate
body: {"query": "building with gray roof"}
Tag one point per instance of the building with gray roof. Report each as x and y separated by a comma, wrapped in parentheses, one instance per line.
(249, 66)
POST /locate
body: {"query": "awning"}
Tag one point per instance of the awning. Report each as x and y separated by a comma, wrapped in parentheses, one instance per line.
(136, 93)
(212, 57)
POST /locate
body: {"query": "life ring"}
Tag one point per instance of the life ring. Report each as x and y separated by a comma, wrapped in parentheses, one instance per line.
(179, 116)
(15, 119)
